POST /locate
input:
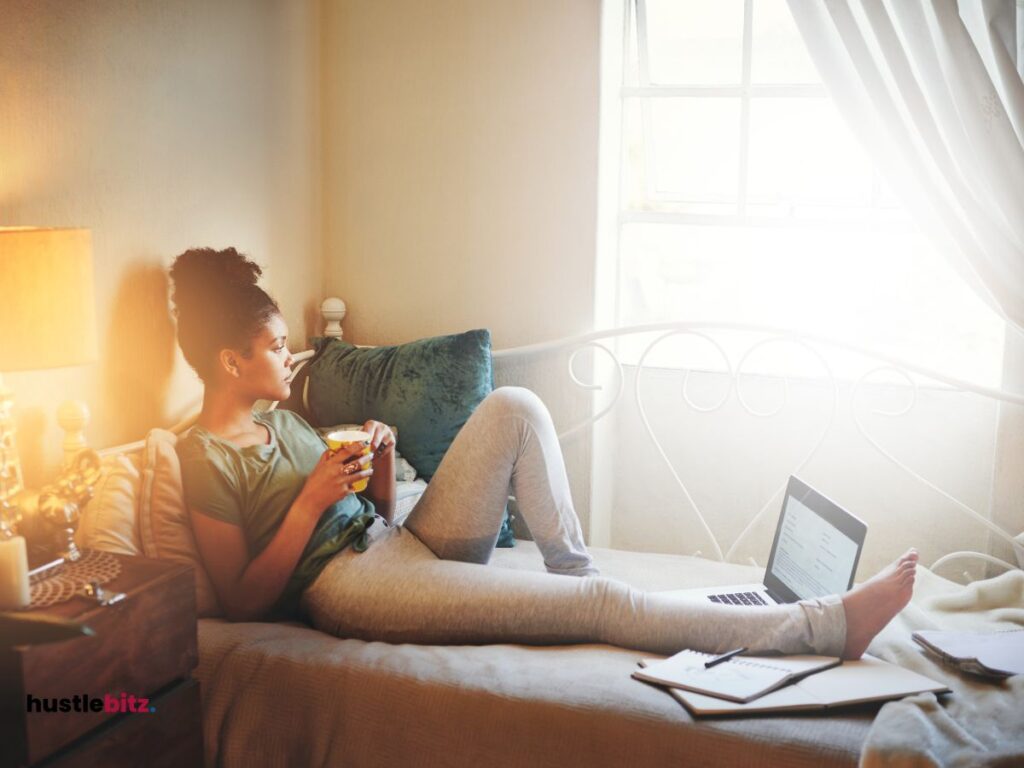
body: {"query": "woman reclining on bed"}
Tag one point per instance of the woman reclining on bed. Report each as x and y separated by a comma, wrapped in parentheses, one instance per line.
(281, 532)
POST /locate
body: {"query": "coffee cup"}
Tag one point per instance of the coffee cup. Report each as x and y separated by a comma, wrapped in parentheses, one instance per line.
(342, 438)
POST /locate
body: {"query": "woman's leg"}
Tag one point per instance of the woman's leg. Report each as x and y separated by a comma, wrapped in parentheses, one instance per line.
(508, 441)
(398, 591)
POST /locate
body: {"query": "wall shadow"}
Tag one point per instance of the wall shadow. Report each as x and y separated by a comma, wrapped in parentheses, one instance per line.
(139, 351)
(312, 321)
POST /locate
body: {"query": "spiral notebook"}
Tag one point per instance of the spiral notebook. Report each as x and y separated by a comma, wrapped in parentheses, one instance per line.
(740, 679)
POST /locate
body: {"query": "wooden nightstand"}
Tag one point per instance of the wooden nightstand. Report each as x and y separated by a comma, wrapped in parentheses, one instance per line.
(145, 646)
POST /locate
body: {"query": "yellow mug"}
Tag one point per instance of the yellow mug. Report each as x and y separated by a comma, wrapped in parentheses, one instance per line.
(344, 437)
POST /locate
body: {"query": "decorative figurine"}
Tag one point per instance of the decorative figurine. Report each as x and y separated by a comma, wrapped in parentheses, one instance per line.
(61, 502)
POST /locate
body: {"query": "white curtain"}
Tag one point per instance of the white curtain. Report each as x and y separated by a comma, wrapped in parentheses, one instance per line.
(934, 89)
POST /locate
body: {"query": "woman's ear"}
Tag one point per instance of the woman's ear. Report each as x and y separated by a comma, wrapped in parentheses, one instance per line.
(228, 360)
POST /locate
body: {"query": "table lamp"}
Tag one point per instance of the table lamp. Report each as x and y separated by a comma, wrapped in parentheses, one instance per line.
(47, 318)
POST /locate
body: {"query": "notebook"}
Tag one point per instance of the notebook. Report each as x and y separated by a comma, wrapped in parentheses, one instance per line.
(993, 654)
(741, 678)
(852, 682)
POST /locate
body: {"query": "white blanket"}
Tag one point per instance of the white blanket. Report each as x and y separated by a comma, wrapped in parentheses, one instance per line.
(982, 722)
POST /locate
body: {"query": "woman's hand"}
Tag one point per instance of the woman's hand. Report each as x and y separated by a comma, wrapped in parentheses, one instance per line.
(333, 476)
(382, 439)
(381, 490)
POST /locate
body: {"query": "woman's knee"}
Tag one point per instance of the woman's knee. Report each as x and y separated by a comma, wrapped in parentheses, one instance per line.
(514, 401)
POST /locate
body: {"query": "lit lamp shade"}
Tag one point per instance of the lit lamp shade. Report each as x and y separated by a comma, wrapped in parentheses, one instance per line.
(47, 316)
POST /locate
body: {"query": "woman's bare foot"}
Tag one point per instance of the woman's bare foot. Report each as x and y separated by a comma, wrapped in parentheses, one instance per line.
(873, 604)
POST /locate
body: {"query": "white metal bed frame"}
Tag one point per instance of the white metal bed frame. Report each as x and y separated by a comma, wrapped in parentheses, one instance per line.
(333, 311)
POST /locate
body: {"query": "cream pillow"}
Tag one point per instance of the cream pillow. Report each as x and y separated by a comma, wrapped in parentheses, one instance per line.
(164, 527)
(110, 519)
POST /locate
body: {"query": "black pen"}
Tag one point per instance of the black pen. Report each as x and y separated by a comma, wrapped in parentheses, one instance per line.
(724, 657)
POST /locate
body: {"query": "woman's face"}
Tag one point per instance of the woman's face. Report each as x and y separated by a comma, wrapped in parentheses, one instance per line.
(266, 373)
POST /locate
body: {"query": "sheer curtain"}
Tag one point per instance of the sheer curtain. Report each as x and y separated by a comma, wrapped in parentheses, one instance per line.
(934, 89)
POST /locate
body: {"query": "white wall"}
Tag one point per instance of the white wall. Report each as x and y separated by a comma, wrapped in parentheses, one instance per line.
(159, 126)
(460, 144)
(460, 174)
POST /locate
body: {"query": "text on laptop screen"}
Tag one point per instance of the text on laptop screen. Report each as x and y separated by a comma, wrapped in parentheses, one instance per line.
(813, 558)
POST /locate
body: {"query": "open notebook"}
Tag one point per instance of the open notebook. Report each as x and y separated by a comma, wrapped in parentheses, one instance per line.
(741, 678)
(853, 682)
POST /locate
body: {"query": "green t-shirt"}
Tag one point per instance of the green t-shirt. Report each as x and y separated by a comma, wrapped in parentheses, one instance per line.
(254, 487)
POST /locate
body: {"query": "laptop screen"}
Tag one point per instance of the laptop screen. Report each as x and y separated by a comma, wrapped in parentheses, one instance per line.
(817, 546)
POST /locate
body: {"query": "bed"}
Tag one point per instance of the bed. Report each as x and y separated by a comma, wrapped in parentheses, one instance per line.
(286, 694)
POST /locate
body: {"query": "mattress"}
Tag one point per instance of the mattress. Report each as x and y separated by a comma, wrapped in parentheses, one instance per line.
(286, 694)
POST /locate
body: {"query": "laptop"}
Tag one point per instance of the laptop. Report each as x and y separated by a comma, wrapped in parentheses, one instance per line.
(815, 553)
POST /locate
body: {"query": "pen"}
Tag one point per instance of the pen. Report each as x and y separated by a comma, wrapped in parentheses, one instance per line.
(724, 657)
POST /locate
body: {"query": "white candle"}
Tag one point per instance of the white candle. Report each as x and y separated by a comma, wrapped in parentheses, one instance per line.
(14, 591)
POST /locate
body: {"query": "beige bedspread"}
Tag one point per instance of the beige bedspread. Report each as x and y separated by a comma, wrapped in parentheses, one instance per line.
(981, 723)
(284, 694)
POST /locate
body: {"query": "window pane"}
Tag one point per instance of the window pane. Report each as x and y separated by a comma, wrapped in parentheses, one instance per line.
(660, 171)
(695, 148)
(695, 42)
(802, 152)
(779, 54)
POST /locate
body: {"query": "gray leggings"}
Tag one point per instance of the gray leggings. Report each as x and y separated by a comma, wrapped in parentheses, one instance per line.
(427, 581)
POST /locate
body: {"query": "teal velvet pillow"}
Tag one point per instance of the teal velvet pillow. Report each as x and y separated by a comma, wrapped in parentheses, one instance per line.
(426, 388)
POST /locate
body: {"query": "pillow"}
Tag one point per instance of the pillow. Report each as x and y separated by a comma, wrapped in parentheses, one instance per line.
(110, 520)
(427, 388)
(407, 493)
(164, 526)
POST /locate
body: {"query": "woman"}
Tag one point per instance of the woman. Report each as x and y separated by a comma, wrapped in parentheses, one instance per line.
(280, 530)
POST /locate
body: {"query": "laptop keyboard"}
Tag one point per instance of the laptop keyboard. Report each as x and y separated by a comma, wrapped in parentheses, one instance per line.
(738, 598)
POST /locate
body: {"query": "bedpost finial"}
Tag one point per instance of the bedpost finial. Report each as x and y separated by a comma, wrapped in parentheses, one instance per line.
(333, 312)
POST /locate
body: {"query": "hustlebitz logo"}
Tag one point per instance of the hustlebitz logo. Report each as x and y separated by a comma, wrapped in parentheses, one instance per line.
(109, 702)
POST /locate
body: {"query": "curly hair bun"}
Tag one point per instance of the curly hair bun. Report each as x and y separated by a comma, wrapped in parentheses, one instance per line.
(217, 302)
(200, 274)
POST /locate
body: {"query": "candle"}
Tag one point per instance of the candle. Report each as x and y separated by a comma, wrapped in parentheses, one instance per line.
(14, 592)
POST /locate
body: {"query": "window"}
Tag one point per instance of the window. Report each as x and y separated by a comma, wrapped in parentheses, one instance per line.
(739, 194)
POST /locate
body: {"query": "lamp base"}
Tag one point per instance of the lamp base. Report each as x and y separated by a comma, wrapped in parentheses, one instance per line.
(73, 417)
(11, 481)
